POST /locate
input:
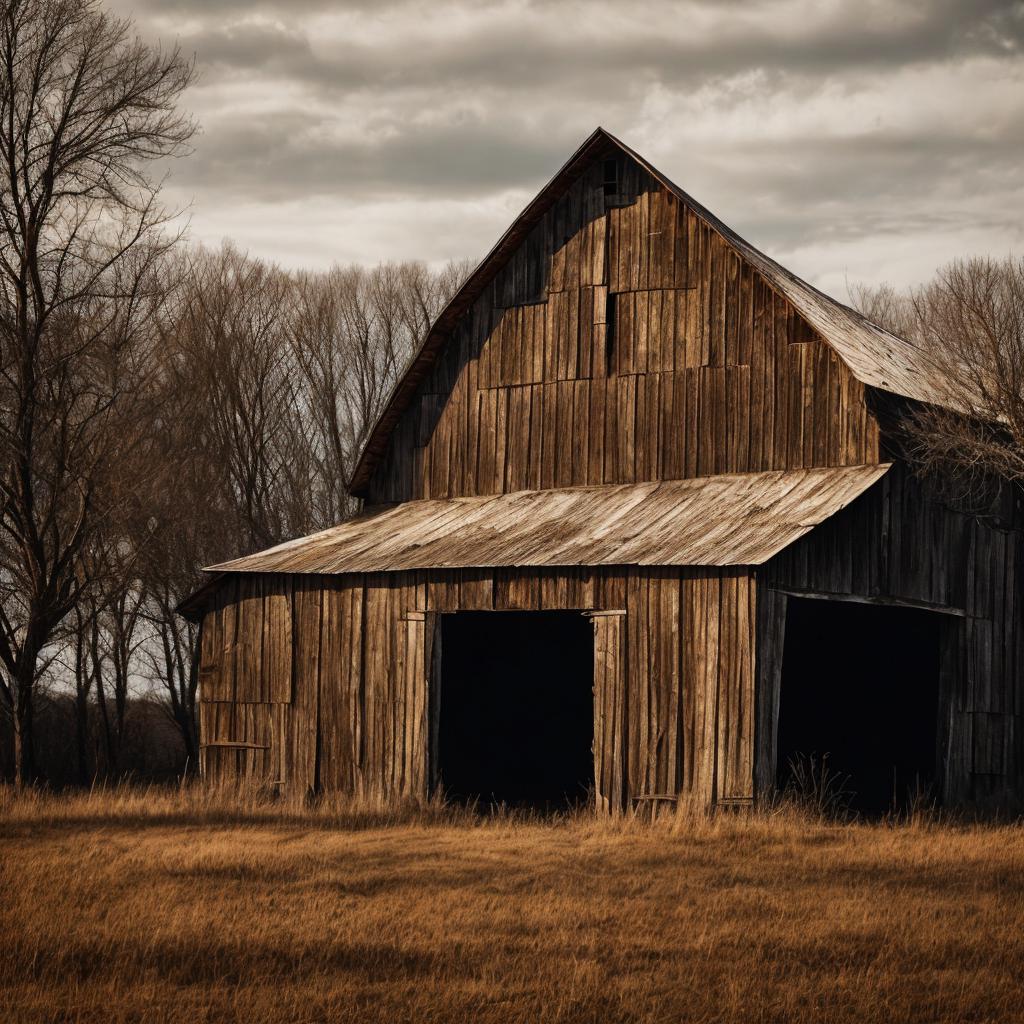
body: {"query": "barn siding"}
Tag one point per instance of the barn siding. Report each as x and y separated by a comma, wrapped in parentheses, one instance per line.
(703, 369)
(679, 715)
(673, 677)
(900, 543)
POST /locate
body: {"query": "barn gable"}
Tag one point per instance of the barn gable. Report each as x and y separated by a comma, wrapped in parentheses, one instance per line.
(619, 332)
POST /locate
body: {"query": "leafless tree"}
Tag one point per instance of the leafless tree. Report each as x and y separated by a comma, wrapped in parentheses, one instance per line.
(114, 638)
(187, 522)
(353, 330)
(231, 337)
(268, 382)
(970, 321)
(85, 108)
(886, 306)
(971, 317)
(82, 667)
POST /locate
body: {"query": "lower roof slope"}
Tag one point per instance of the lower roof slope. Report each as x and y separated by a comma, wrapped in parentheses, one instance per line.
(734, 519)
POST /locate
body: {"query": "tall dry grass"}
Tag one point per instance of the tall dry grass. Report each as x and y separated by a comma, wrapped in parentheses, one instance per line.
(192, 905)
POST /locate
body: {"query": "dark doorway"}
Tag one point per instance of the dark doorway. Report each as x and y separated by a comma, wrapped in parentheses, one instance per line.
(517, 708)
(860, 684)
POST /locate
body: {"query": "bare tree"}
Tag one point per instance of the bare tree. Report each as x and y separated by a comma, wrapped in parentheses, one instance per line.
(970, 321)
(82, 667)
(84, 110)
(268, 384)
(232, 338)
(114, 640)
(187, 522)
(886, 306)
(353, 331)
(971, 318)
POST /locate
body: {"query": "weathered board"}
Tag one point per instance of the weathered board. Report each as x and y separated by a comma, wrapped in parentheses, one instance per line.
(625, 340)
(611, 242)
(735, 519)
(903, 543)
(673, 706)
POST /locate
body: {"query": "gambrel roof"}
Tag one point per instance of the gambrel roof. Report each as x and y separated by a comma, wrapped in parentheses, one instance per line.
(874, 356)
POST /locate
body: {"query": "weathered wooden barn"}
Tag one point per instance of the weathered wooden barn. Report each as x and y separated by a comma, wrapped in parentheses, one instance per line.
(635, 523)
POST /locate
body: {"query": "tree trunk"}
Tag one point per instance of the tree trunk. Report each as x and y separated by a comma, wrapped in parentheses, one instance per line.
(24, 738)
(189, 703)
(187, 728)
(101, 702)
(82, 735)
(83, 684)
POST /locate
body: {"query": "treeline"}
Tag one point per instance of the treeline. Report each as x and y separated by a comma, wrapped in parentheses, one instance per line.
(250, 392)
(247, 392)
(161, 407)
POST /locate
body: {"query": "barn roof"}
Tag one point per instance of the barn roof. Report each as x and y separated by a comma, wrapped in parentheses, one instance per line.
(734, 519)
(874, 356)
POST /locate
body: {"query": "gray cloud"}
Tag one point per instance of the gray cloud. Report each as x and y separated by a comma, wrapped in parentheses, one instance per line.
(282, 155)
(829, 127)
(858, 36)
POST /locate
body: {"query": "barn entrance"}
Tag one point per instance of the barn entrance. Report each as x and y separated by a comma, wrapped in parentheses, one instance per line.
(860, 683)
(516, 708)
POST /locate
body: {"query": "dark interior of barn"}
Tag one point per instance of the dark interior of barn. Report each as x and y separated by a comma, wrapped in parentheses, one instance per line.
(516, 709)
(860, 684)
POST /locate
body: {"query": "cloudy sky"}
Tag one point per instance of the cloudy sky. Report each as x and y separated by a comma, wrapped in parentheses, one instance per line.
(853, 140)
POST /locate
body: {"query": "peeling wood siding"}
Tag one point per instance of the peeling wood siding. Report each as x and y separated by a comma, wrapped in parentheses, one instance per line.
(673, 702)
(705, 367)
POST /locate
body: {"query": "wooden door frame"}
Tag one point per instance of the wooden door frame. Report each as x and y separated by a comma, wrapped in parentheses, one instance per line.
(772, 606)
(615, 655)
(610, 710)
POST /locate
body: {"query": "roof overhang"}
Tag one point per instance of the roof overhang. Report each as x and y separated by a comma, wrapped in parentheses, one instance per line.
(192, 607)
(734, 519)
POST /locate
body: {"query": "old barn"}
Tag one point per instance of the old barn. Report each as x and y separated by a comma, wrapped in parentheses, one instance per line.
(636, 525)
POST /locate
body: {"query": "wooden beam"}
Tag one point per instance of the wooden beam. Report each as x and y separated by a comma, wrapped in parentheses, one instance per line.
(237, 746)
(885, 602)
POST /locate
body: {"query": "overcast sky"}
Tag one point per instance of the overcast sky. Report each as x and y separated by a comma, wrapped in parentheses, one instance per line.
(849, 140)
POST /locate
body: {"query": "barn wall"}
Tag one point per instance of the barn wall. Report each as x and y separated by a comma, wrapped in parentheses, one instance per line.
(624, 341)
(900, 542)
(321, 681)
(346, 707)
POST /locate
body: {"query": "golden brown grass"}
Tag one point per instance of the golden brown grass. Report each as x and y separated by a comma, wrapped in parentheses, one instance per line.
(166, 906)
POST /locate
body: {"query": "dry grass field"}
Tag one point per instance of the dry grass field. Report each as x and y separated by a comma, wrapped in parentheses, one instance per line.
(163, 906)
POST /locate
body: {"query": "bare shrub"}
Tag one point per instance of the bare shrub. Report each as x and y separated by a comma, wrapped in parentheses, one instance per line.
(815, 789)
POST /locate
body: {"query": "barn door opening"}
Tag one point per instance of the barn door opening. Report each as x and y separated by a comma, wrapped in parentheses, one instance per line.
(516, 708)
(860, 684)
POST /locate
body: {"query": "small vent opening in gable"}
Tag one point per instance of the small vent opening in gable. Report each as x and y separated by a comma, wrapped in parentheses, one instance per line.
(611, 306)
(611, 178)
